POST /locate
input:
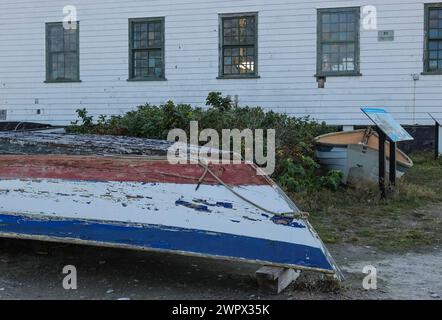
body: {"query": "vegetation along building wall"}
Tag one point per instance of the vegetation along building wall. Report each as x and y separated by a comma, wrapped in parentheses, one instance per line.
(267, 53)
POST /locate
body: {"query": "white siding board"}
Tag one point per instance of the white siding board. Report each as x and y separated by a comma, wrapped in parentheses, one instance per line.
(287, 60)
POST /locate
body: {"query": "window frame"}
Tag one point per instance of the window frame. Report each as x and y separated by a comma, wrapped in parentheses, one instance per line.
(221, 45)
(163, 49)
(427, 8)
(48, 64)
(357, 70)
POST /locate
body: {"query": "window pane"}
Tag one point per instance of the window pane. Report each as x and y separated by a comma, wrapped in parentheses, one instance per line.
(342, 29)
(339, 40)
(239, 31)
(62, 51)
(155, 63)
(238, 41)
(140, 36)
(71, 71)
(434, 31)
(147, 35)
(435, 56)
(433, 45)
(57, 66)
(141, 59)
(147, 49)
(338, 57)
(239, 61)
(435, 23)
(70, 40)
(434, 13)
(55, 34)
(433, 65)
(326, 18)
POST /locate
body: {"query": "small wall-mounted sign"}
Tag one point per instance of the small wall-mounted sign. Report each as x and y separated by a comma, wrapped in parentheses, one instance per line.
(3, 114)
(386, 35)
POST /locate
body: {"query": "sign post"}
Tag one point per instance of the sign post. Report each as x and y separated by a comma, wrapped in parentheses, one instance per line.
(382, 139)
(437, 152)
(393, 163)
(436, 136)
(388, 130)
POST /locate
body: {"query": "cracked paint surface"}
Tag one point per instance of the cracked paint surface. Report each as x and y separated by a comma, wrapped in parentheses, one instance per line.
(155, 203)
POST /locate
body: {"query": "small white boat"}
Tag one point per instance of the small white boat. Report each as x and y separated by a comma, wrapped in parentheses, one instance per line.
(355, 154)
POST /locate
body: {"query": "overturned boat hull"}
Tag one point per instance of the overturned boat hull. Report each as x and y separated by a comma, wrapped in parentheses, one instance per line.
(138, 203)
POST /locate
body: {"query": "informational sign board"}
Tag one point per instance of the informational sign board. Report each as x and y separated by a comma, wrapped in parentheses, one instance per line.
(384, 120)
(437, 119)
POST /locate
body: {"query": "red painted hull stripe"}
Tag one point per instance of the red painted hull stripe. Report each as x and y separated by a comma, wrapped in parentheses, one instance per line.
(96, 168)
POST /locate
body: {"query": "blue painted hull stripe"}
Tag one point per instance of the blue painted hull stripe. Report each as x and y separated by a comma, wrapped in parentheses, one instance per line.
(169, 238)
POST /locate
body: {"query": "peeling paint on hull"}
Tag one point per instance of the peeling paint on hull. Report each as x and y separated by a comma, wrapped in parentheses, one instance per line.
(154, 204)
(148, 204)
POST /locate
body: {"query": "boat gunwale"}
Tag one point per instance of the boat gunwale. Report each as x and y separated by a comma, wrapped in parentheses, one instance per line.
(101, 244)
(70, 240)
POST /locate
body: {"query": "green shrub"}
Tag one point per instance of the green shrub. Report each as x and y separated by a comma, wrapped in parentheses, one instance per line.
(294, 136)
(304, 176)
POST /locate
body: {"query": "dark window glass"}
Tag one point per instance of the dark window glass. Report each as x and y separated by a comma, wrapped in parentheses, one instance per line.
(338, 41)
(238, 45)
(147, 49)
(434, 38)
(62, 52)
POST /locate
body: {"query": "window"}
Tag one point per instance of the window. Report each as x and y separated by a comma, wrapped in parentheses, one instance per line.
(433, 38)
(238, 45)
(338, 42)
(62, 53)
(146, 46)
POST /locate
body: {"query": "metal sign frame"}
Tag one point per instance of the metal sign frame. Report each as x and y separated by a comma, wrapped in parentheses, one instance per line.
(436, 136)
(396, 134)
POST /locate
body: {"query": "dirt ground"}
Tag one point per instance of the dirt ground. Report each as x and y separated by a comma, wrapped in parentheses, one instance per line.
(33, 270)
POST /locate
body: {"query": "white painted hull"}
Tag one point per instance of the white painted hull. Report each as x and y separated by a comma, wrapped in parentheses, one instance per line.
(212, 210)
(363, 164)
(334, 158)
(356, 163)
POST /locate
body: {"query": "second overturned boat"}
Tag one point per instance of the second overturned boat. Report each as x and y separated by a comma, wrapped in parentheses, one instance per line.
(355, 154)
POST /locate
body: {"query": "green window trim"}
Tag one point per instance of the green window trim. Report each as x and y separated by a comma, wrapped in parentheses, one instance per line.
(431, 40)
(246, 50)
(53, 75)
(158, 46)
(351, 45)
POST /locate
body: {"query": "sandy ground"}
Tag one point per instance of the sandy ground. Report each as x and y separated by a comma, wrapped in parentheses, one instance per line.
(33, 270)
(413, 275)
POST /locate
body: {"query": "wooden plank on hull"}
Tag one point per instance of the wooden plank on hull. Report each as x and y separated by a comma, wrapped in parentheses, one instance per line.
(274, 280)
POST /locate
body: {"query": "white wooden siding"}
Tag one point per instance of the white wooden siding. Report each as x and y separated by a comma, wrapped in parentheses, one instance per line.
(287, 60)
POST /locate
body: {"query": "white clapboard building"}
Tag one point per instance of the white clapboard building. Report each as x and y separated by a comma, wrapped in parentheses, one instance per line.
(325, 59)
